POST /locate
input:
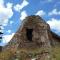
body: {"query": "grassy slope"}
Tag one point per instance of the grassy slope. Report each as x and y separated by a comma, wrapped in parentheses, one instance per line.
(6, 55)
(56, 53)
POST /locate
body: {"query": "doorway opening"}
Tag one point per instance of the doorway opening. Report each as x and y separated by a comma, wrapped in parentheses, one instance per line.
(29, 34)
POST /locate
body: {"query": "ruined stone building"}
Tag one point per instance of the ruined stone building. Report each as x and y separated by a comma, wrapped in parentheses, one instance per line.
(33, 33)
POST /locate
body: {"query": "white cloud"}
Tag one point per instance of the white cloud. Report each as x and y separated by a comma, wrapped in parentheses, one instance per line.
(5, 13)
(9, 5)
(18, 7)
(54, 24)
(23, 15)
(54, 12)
(1, 2)
(1, 27)
(11, 22)
(7, 38)
(9, 31)
(40, 13)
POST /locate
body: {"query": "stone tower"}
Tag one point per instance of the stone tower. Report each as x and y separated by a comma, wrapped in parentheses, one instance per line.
(32, 34)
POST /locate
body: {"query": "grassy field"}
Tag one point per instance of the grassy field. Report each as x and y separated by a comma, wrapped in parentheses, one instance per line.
(56, 53)
(21, 54)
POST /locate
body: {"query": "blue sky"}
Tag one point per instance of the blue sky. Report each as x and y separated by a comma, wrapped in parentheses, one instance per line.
(12, 13)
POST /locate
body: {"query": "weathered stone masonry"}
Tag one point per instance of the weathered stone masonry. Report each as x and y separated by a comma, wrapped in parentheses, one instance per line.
(34, 32)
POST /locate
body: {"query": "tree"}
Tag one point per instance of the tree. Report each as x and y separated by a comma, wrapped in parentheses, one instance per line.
(1, 33)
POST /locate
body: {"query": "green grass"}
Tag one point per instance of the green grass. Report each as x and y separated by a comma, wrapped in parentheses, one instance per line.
(28, 53)
(56, 53)
(6, 55)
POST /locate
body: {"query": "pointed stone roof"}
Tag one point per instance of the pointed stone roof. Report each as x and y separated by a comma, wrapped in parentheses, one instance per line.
(34, 19)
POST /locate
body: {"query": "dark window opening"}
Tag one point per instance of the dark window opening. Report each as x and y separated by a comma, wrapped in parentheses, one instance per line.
(29, 34)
